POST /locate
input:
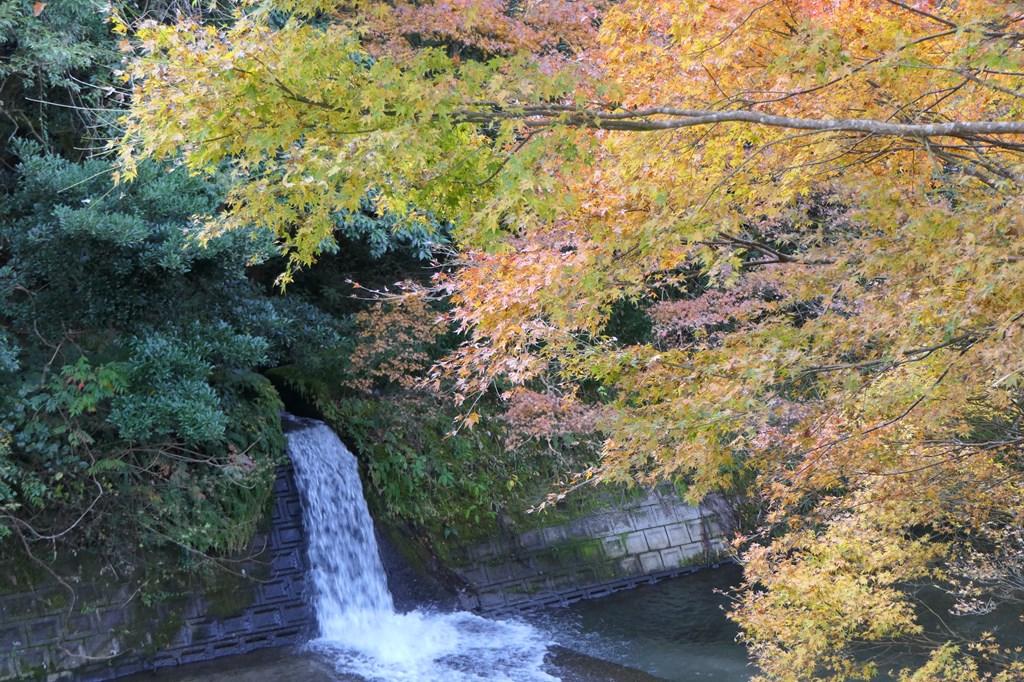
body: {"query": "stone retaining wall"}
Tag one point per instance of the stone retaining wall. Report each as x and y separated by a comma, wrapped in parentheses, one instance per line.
(637, 540)
(110, 629)
(107, 629)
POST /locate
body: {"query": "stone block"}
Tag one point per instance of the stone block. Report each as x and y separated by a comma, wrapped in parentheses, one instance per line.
(632, 502)
(554, 535)
(289, 534)
(586, 576)
(521, 568)
(672, 558)
(657, 538)
(695, 528)
(589, 552)
(202, 631)
(16, 606)
(79, 623)
(233, 626)
(621, 523)
(551, 560)
(263, 619)
(491, 600)
(685, 512)
(95, 646)
(279, 511)
(499, 573)
(295, 614)
(691, 551)
(277, 590)
(602, 524)
(11, 638)
(537, 587)
(630, 565)
(475, 575)
(580, 528)
(678, 535)
(292, 559)
(646, 517)
(713, 522)
(481, 551)
(613, 547)
(561, 582)
(650, 562)
(532, 539)
(42, 632)
(666, 513)
(636, 543)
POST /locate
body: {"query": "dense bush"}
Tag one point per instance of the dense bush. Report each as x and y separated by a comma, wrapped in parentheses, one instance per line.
(129, 358)
(133, 403)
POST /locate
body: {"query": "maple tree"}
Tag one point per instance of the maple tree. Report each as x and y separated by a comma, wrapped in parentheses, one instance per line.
(817, 202)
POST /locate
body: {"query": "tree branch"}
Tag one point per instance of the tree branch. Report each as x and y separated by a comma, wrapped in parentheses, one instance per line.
(669, 118)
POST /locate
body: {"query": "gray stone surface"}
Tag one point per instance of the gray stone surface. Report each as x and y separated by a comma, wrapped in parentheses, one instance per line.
(624, 540)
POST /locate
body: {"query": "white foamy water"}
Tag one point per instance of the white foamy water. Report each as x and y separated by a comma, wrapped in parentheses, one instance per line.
(359, 628)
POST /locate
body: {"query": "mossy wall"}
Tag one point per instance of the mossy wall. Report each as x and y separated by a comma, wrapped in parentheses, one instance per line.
(610, 542)
(108, 617)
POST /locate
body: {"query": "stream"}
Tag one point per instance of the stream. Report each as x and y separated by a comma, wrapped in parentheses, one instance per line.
(673, 630)
(663, 629)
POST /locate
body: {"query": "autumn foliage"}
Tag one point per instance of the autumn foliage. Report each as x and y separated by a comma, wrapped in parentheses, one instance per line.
(816, 204)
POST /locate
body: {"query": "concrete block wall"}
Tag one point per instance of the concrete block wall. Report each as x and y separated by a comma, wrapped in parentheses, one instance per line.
(109, 631)
(654, 536)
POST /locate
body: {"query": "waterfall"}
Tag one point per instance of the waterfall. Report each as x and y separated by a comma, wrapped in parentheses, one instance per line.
(344, 562)
(359, 629)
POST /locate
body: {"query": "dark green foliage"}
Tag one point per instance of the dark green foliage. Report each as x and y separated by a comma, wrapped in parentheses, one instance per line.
(59, 61)
(54, 67)
(386, 233)
(128, 382)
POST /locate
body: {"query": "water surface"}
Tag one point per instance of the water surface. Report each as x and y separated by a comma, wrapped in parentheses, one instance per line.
(676, 629)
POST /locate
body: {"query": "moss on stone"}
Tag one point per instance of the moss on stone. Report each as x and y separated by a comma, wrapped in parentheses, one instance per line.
(590, 550)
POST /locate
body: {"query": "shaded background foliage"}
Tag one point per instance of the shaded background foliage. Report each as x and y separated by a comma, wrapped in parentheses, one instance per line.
(131, 385)
(135, 405)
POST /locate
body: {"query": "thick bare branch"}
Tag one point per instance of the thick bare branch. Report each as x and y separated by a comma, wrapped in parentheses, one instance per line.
(668, 118)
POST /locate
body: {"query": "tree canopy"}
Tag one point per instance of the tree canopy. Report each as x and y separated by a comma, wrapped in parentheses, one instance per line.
(817, 205)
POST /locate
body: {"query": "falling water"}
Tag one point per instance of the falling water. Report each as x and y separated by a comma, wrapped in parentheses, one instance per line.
(359, 628)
